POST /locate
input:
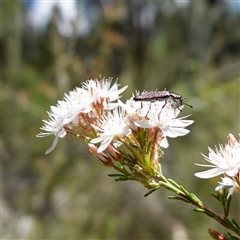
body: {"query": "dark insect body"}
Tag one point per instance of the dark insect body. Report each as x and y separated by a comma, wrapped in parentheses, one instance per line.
(165, 95)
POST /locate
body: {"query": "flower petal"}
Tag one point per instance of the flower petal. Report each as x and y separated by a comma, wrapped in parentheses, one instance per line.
(144, 123)
(164, 143)
(209, 173)
(54, 144)
(105, 144)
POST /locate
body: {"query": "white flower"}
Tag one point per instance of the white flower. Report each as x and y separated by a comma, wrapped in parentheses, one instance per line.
(79, 101)
(103, 93)
(135, 108)
(65, 114)
(163, 115)
(133, 111)
(227, 182)
(94, 94)
(225, 160)
(55, 126)
(110, 126)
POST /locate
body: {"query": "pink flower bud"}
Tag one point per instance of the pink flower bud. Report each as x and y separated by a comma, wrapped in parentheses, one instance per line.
(114, 153)
(103, 158)
(216, 235)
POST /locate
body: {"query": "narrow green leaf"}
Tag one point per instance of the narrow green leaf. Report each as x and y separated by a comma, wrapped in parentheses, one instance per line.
(232, 224)
(229, 236)
(199, 210)
(169, 187)
(144, 134)
(185, 191)
(122, 179)
(174, 183)
(215, 196)
(236, 224)
(195, 198)
(116, 175)
(151, 191)
(149, 146)
(163, 178)
(229, 199)
(133, 146)
(178, 198)
(120, 165)
(227, 220)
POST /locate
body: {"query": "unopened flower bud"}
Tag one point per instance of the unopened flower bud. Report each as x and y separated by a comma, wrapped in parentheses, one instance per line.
(114, 153)
(130, 120)
(232, 139)
(215, 235)
(103, 158)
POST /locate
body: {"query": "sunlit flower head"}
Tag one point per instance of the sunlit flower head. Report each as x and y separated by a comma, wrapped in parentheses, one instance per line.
(79, 101)
(133, 111)
(65, 114)
(110, 127)
(228, 183)
(163, 115)
(80, 107)
(224, 160)
(56, 124)
(103, 93)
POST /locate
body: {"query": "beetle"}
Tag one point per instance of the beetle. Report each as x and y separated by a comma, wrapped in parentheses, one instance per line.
(165, 95)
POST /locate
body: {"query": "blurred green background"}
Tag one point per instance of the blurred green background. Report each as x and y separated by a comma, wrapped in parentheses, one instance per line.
(48, 48)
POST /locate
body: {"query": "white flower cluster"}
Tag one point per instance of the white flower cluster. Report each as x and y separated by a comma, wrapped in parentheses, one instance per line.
(226, 161)
(92, 112)
(91, 100)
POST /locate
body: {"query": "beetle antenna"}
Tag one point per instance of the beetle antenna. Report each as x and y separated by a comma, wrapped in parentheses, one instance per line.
(188, 105)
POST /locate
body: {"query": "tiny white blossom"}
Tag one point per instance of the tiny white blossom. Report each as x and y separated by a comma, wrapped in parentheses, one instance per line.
(134, 111)
(111, 126)
(94, 94)
(64, 115)
(103, 93)
(55, 125)
(163, 115)
(79, 101)
(229, 183)
(136, 108)
(225, 160)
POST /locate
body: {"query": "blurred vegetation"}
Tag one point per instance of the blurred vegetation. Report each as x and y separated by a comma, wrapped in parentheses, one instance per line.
(192, 50)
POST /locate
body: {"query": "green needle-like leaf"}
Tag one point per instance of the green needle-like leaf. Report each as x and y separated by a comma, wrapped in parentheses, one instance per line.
(178, 198)
(174, 183)
(228, 204)
(199, 210)
(151, 191)
(215, 196)
(229, 236)
(236, 224)
(116, 175)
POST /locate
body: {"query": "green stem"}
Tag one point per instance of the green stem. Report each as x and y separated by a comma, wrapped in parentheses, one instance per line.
(191, 198)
